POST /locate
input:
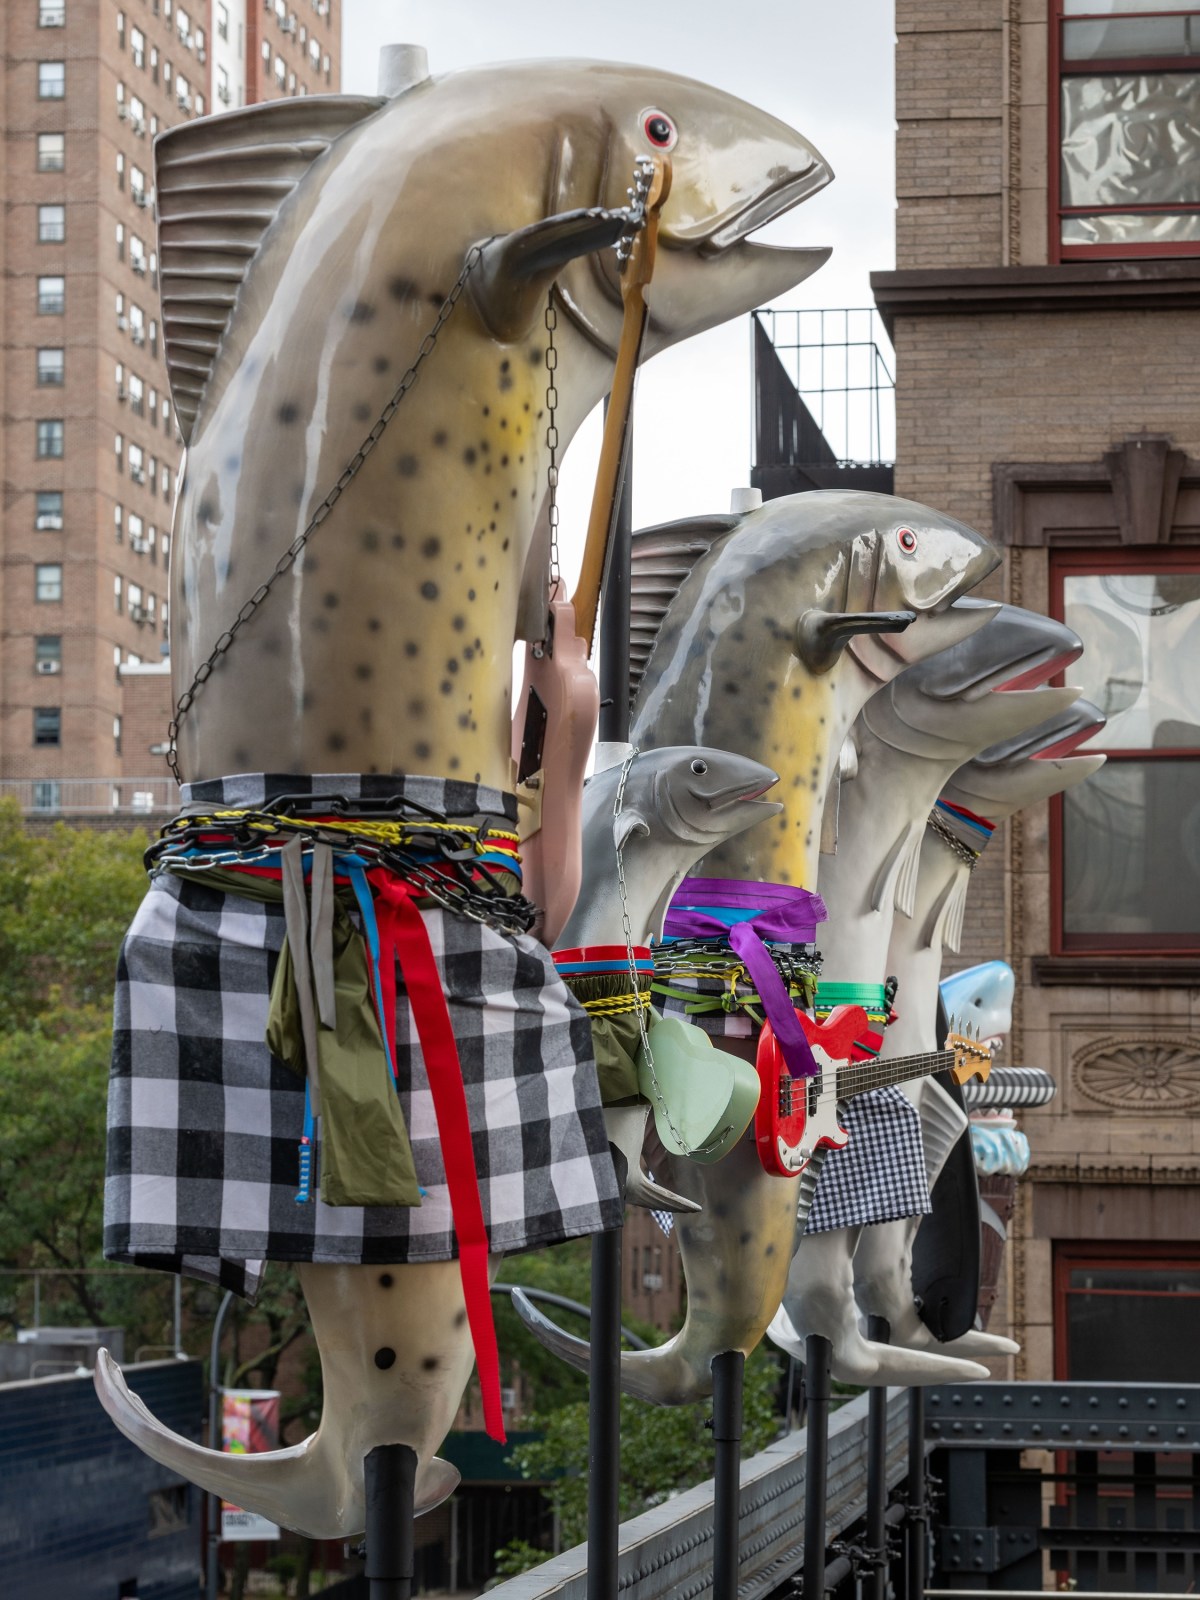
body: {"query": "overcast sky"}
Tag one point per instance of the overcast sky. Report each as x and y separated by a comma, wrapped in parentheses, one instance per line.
(825, 69)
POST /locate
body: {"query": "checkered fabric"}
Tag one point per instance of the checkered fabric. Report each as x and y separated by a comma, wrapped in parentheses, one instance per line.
(880, 1175)
(448, 797)
(204, 1124)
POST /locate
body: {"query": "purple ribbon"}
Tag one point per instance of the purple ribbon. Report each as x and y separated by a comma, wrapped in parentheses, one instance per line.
(781, 912)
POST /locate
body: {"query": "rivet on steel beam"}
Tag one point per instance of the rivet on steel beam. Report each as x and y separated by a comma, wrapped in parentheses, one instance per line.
(1093, 1401)
(1035, 1399)
(1007, 1400)
(1064, 1401)
(1065, 1429)
(1007, 1428)
(1123, 1404)
(1037, 1428)
(1094, 1431)
(1151, 1403)
(1123, 1431)
(1181, 1433)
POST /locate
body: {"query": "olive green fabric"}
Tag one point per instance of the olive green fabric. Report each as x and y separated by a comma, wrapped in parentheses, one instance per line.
(365, 1155)
(615, 1040)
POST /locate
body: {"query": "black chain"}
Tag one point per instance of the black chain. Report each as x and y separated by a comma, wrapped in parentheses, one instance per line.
(552, 433)
(287, 560)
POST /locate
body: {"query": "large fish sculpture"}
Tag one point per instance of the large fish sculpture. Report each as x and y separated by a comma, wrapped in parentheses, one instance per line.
(766, 634)
(908, 741)
(675, 805)
(1016, 772)
(314, 255)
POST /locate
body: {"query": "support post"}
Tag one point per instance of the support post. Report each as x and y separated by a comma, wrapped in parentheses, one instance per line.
(818, 1357)
(918, 1514)
(604, 1394)
(879, 1329)
(728, 1370)
(213, 1553)
(390, 1473)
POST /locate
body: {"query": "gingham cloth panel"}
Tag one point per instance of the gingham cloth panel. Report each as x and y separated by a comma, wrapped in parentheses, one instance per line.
(204, 1124)
(449, 797)
(880, 1175)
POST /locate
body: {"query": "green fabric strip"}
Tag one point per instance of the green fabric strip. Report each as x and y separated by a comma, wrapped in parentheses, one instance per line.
(615, 1040)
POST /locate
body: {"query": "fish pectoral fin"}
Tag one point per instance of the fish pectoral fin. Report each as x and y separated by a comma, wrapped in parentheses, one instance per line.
(821, 636)
(516, 269)
(436, 1481)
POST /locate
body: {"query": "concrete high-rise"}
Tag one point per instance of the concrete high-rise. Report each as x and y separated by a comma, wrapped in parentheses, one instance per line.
(89, 442)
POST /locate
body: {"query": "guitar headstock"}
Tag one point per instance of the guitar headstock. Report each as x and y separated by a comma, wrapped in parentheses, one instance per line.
(647, 194)
(972, 1058)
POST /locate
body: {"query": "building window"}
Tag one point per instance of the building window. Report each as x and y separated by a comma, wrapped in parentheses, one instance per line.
(118, 523)
(135, 531)
(119, 450)
(137, 255)
(137, 115)
(47, 652)
(222, 20)
(118, 605)
(51, 152)
(1126, 181)
(137, 47)
(47, 725)
(1127, 842)
(137, 395)
(48, 511)
(137, 468)
(48, 582)
(137, 185)
(50, 439)
(1122, 1303)
(50, 368)
(51, 297)
(52, 14)
(116, 736)
(52, 80)
(47, 794)
(52, 224)
(137, 324)
(120, 169)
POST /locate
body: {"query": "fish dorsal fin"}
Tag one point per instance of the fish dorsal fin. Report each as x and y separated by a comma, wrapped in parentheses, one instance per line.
(219, 184)
(661, 558)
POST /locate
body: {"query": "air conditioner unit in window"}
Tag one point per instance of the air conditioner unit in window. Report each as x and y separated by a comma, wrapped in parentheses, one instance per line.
(49, 522)
(122, 394)
(202, 56)
(138, 614)
(123, 324)
(138, 336)
(47, 667)
(123, 112)
(190, 41)
(138, 125)
(137, 474)
(142, 546)
(652, 1281)
(141, 199)
(224, 96)
(508, 1399)
(139, 267)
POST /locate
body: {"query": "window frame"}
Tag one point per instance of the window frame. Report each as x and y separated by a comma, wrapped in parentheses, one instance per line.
(1059, 252)
(50, 229)
(1070, 1255)
(1066, 563)
(47, 744)
(50, 376)
(48, 600)
(40, 165)
(62, 82)
(49, 305)
(51, 432)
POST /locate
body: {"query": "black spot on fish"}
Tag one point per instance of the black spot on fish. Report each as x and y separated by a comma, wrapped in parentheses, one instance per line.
(397, 541)
(232, 463)
(487, 471)
(288, 412)
(374, 624)
(370, 539)
(320, 623)
(730, 687)
(361, 311)
(311, 564)
(446, 686)
(242, 757)
(504, 422)
(796, 692)
(484, 446)
(468, 652)
(505, 544)
(469, 456)
(297, 493)
(503, 461)
(458, 623)
(432, 546)
(381, 363)
(770, 1250)
(331, 601)
(271, 646)
(336, 741)
(487, 411)
(386, 1280)
(206, 511)
(808, 837)
(459, 1318)
(470, 594)
(435, 297)
(411, 647)
(364, 670)
(745, 1237)
(721, 1209)
(429, 1363)
(307, 700)
(481, 561)
(440, 438)
(536, 356)
(478, 777)
(365, 718)
(422, 750)
(385, 1358)
(407, 466)
(452, 664)
(429, 590)
(464, 719)
(361, 412)
(417, 708)
(401, 288)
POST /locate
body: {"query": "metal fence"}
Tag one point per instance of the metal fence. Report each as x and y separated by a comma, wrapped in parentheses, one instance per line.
(65, 797)
(824, 389)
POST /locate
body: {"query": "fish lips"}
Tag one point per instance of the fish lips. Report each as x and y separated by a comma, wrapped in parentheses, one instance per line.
(1056, 737)
(739, 803)
(785, 194)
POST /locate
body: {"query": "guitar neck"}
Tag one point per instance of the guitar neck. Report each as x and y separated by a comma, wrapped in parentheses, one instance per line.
(864, 1075)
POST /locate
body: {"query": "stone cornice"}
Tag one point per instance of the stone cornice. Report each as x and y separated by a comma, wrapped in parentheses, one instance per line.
(1144, 284)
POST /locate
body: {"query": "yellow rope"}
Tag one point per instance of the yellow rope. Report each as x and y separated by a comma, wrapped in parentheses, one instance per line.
(617, 1005)
(380, 832)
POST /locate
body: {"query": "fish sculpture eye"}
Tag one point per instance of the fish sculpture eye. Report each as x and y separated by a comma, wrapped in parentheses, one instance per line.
(907, 540)
(699, 766)
(659, 129)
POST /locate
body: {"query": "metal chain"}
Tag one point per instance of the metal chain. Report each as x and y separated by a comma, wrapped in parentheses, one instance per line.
(552, 433)
(681, 1142)
(287, 560)
(948, 837)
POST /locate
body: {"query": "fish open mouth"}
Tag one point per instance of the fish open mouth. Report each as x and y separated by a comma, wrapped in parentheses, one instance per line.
(1054, 739)
(1040, 669)
(783, 196)
(739, 794)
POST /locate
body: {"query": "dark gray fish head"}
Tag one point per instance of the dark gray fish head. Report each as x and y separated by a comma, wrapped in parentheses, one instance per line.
(1030, 766)
(702, 796)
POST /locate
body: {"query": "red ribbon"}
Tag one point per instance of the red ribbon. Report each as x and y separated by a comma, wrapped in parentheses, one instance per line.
(403, 936)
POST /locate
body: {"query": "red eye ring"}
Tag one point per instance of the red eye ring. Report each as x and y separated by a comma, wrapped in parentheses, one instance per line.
(907, 540)
(659, 129)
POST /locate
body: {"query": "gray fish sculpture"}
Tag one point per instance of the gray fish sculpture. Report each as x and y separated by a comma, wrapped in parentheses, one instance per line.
(307, 250)
(909, 740)
(677, 804)
(1014, 773)
(766, 634)
(306, 247)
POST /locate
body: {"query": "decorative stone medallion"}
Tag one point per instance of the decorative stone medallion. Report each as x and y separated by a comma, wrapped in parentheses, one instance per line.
(1140, 1072)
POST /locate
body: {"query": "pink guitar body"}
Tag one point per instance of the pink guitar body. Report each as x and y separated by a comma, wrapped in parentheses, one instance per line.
(552, 740)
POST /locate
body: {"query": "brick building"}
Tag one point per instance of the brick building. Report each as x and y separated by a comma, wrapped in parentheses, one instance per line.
(1045, 311)
(90, 448)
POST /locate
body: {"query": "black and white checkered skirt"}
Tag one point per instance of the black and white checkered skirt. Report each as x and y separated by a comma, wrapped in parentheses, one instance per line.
(204, 1124)
(880, 1175)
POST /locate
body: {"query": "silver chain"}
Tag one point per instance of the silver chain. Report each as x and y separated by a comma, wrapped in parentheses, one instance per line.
(627, 927)
(948, 837)
(552, 433)
(287, 560)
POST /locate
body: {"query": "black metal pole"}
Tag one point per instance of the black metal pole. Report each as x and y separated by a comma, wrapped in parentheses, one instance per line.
(818, 1356)
(917, 1512)
(212, 1560)
(604, 1393)
(879, 1329)
(728, 1370)
(390, 1471)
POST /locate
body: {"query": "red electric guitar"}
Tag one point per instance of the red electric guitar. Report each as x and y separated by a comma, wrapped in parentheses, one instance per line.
(796, 1116)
